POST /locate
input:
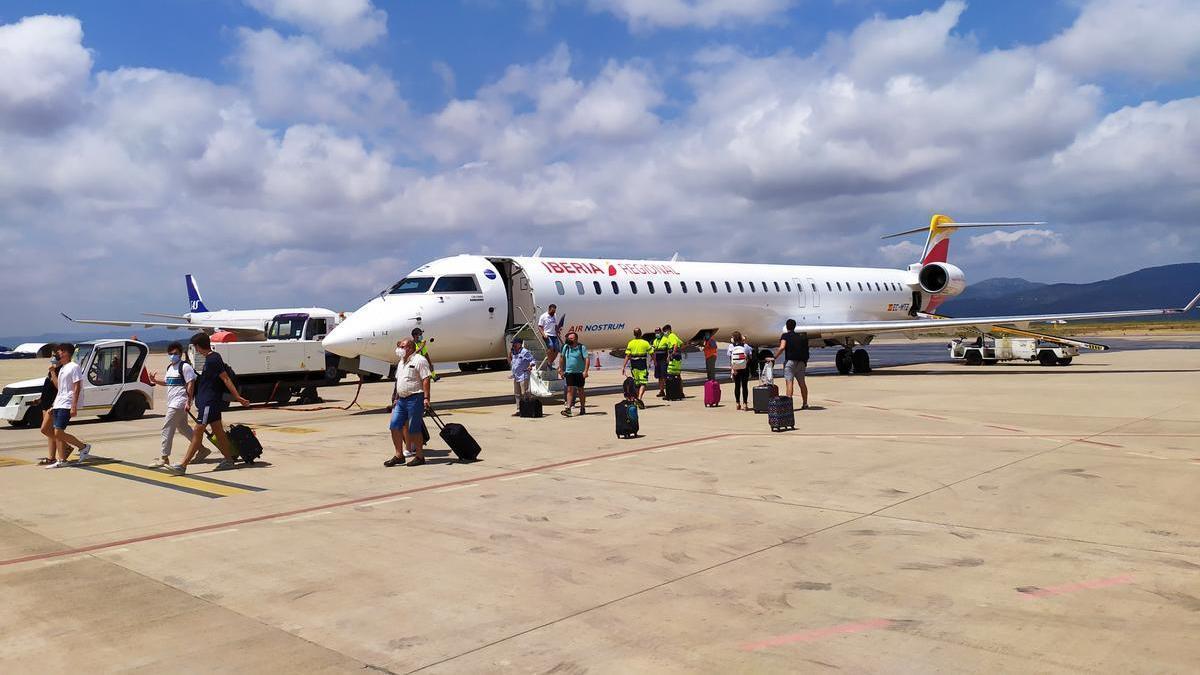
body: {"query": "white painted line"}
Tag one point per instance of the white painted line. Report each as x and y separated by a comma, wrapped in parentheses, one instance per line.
(59, 561)
(207, 534)
(661, 450)
(387, 501)
(1142, 454)
(709, 442)
(576, 466)
(524, 475)
(115, 550)
(619, 458)
(457, 487)
(305, 516)
(955, 437)
(875, 436)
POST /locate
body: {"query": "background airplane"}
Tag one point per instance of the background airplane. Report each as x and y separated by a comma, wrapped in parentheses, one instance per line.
(247, 324)
(470, 305)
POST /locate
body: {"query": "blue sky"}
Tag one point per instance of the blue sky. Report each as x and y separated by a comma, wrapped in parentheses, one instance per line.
(305, 152)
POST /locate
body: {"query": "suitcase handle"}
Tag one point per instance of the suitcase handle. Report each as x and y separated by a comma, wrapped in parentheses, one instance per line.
(436, 419)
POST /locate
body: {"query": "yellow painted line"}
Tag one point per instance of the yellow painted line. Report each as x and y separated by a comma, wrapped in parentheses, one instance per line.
(168, 479)
(12, 461)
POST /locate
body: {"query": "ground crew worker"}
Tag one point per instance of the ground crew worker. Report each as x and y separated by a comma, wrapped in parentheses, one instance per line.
(709, 344)
(660, 360)
(674, 350)
(636, 353)
(423, 349)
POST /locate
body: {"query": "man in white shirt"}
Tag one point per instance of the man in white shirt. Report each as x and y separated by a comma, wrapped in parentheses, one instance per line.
(411, 398)
(548, 327)
(180, 381)
(66, 405)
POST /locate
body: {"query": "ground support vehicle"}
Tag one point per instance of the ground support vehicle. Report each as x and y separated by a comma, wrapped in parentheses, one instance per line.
(990, 350)
(115, 386)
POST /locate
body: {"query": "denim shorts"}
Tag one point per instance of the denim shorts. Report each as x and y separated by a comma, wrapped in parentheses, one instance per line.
(408, 410)
(553, 343)
(62, 417)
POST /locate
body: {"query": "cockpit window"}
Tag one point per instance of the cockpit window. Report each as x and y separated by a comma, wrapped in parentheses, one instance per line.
(456, 284)
(411, 285)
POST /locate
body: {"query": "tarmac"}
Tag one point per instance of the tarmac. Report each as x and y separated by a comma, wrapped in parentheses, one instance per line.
(929, 517)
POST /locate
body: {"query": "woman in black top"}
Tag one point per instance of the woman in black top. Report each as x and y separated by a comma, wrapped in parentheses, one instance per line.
(45, 403)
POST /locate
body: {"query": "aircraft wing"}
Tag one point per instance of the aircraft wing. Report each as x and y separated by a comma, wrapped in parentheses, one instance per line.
(242, 333)
(918, 326)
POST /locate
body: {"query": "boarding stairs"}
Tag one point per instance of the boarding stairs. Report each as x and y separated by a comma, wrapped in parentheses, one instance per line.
(529, 334)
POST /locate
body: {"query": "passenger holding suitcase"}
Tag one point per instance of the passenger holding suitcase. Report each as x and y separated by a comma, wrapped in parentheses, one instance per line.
(411, 397)
(210, 386)
(794, 347)
(520, 360)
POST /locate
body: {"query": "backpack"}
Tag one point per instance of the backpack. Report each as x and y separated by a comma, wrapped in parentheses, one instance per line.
(226, 396)
(738, 359)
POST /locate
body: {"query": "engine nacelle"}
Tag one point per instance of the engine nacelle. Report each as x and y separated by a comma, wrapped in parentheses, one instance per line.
(942, 279)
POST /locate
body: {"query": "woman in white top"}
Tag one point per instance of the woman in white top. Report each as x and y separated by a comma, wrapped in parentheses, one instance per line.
(739, 369)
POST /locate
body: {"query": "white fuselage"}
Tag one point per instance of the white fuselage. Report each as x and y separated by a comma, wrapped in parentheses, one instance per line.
(250, 318)
(604, 300)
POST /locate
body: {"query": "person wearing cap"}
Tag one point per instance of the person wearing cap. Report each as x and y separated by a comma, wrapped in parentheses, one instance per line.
(521, 362)
(422, 346)
(573, 368)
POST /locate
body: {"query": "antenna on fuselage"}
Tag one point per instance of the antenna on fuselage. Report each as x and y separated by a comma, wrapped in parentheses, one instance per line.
(537, 253)
(675, 257)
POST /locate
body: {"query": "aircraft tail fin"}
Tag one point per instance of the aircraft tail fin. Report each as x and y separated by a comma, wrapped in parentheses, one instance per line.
(937, 243)
(194, 300)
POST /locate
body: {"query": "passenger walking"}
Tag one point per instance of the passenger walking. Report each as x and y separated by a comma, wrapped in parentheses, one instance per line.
(411, 398)
(210, 387)
(69, 381)
(548, 326)
(574, 371)
(739, 370)
(179, 377)
(521, 363)
(422, 346)
(636, 353)
(793, 347)
(45, 403)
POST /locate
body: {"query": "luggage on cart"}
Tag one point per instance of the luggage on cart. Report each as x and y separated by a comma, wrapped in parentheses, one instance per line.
(780, 414)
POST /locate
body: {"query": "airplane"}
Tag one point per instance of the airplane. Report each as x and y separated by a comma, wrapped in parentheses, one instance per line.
(471, 305)
(246, 324)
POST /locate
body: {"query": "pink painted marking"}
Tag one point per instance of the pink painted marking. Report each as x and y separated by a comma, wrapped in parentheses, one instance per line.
(817, 634)
(1106, 445)
(1081, 586)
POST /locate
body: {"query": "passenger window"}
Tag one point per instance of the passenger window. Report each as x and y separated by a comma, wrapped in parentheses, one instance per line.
(839, 285)
(700, 287)
(107, 367)
(714, 286)
(751, 286)
(558, 285)
(596, 285)
(777, 287)
(682, 286)
(814, 287)
(728, 288)
(668, 285)
(650, 287)
(616, 288)
(828, 285)
(633, 287)
(579, 287)
(134, 356)
(860, 286)
(456, 284)
(741, 288)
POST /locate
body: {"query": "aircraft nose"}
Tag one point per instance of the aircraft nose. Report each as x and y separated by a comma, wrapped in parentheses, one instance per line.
(343, 340)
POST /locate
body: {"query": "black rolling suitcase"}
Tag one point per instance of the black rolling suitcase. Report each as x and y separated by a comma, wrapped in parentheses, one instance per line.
(530, 406)
(457, 438)
(674, 388)
(780, 414)
(626, 415)
(761, 396)
(245, 442)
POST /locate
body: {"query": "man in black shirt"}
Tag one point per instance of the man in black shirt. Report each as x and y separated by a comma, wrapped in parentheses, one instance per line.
(211, 384)
(793, 347)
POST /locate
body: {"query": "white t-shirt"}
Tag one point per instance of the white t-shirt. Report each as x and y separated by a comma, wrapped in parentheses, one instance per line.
(549, 324)
(68, 375)
(739, 356)
(177, 384)
(409, 375)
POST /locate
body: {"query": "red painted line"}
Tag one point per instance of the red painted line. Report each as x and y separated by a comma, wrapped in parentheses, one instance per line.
(1081, 586)
(1107, 445)
(818, 634)
(994, 426)
(932, 417)
(348, 502)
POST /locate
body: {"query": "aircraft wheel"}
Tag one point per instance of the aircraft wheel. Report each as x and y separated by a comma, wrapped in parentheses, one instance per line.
(1064, 361)
(283, 395)
(842, 361)
(861, 361)
(1047, 358)
(973, 358)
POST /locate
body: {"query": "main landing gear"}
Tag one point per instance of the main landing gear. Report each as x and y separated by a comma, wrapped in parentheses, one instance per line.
(857, 361)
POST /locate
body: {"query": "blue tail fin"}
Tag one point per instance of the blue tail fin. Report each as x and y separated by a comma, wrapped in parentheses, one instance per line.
(194, 300)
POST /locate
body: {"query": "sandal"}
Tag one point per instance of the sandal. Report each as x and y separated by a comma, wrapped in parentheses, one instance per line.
(46, 460)
(565, 412)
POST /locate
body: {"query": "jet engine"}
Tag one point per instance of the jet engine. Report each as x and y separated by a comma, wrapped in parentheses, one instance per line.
(944, 279)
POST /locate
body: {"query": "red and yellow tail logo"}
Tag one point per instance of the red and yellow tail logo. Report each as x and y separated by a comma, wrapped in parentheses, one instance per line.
(937, 247)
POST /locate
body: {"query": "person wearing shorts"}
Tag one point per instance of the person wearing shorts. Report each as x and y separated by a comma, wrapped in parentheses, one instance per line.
(411, 399)
(794, 347)
(574, 370)
(67, 378)
(548, 325)
(636, 354)
(210, 387)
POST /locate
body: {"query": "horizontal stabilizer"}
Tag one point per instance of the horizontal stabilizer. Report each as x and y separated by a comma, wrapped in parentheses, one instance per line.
(958, 225)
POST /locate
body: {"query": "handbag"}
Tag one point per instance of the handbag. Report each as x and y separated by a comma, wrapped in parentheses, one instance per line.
(538, 386)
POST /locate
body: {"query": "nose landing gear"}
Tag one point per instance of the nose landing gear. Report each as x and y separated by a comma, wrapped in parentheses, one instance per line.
(857, 361)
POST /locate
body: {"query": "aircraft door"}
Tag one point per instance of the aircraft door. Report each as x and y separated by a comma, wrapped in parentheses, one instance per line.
(104, 377)
(816, 295)
(800, 293)
(521, 306)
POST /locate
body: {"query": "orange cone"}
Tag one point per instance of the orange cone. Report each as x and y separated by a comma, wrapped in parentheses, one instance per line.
(597, 365)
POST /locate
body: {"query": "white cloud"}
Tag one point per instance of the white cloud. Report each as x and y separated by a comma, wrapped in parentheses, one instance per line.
(650, 14)
(341, 24)
(45, 69)
(1147, 38)
(1042, 243)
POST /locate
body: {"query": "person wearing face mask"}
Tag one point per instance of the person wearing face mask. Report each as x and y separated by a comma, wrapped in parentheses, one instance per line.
(574, 370)
(411, 398)
(180, 380)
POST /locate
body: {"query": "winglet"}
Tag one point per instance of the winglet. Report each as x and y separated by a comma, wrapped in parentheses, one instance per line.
(537, 253)
(1191, 305)
(73, 320)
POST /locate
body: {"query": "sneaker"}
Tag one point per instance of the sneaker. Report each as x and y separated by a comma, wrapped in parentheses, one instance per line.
(225, 465)
(85, 451)
(56, 465)
(202, 454)
(46, 460)
(394, 461)
(161, 462)
(582, 411)
(565, 412)
(416, 461)
(177, 469)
